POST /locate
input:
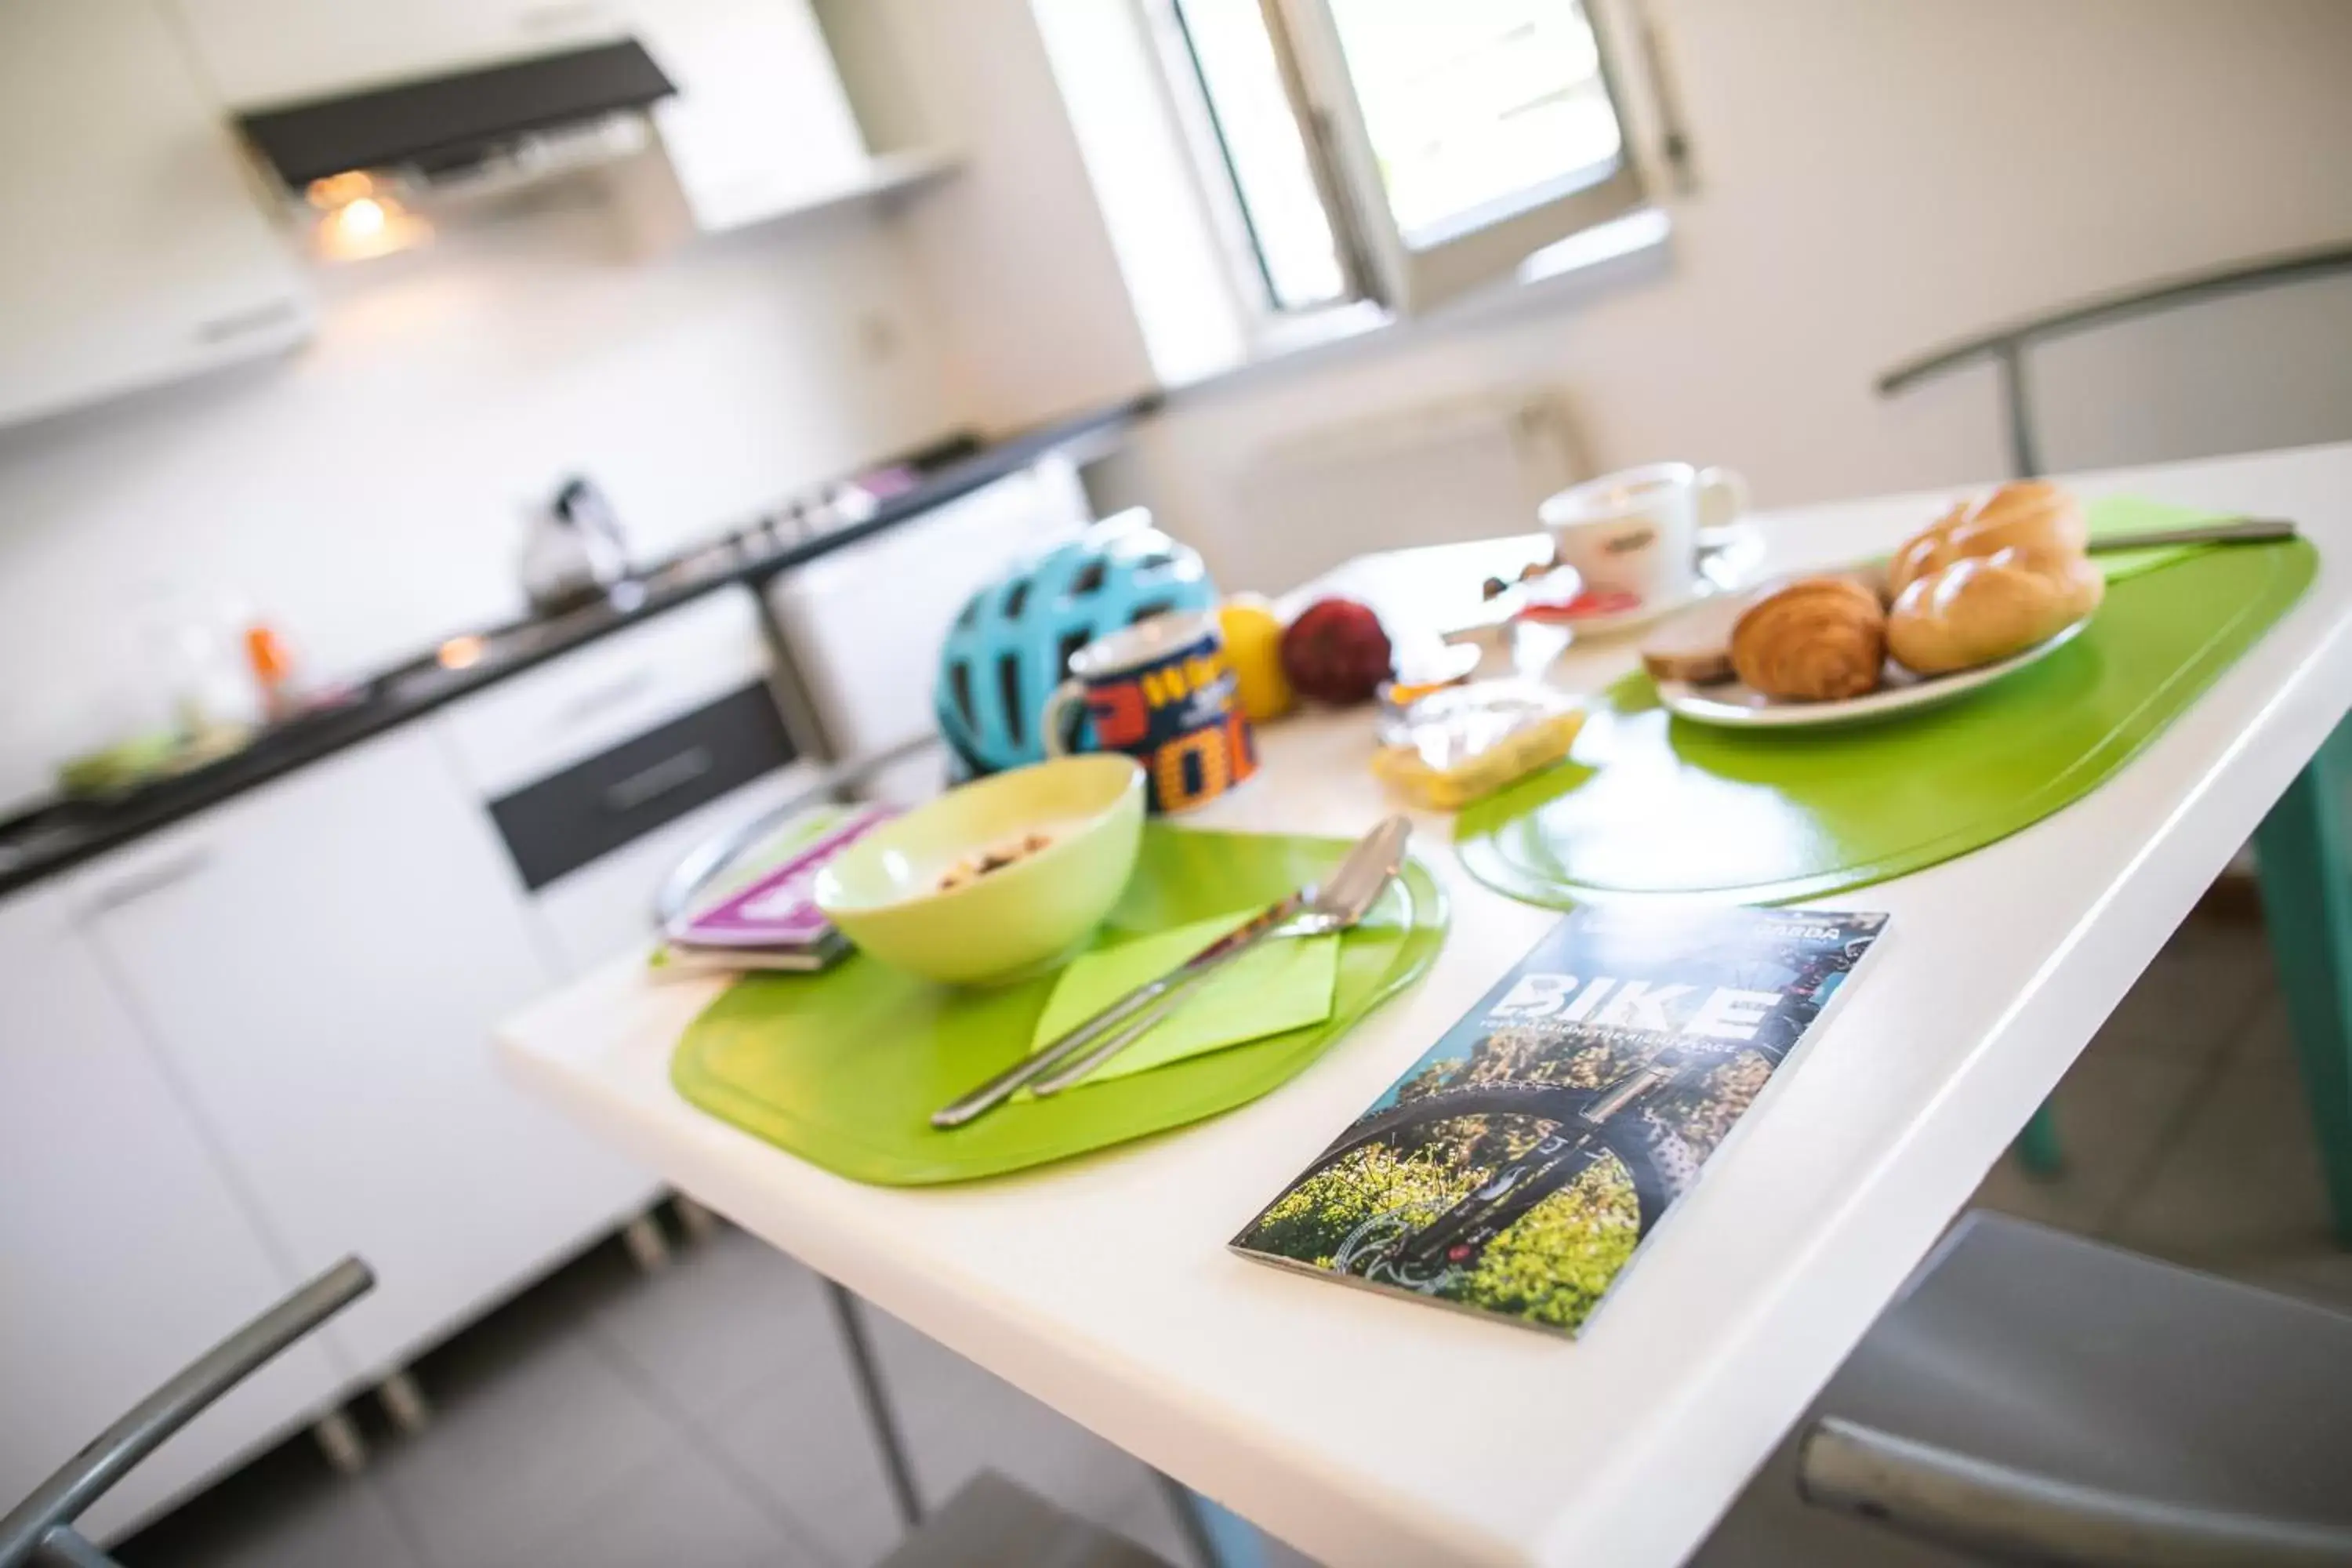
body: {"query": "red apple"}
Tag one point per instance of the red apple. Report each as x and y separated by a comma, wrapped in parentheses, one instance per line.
(1335, 651)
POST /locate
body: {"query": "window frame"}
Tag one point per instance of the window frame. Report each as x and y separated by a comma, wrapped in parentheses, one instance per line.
(1376, 263)
(1271, 323)
(1209, 134)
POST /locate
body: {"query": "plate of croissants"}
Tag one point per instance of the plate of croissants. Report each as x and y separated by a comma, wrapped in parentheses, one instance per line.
(1991, 587)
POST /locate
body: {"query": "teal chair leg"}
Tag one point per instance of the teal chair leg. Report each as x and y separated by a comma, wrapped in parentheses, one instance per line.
(2037, 1145)
(1220, 1538)
(2306, 879)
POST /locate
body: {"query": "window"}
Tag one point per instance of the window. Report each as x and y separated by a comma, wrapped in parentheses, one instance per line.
(1400, 151)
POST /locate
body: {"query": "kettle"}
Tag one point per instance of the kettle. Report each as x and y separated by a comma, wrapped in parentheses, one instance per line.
(572, 551)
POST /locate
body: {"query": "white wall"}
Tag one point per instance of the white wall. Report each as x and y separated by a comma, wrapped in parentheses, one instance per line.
(1879, 177)
(364, 495)
(1034, 314)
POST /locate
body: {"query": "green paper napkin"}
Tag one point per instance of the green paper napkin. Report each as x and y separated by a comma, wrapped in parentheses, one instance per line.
(2128, 514)
(1284, 984)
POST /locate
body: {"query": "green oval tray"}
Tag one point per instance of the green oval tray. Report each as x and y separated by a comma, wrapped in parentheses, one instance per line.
(844, 1067)
(1670, 808)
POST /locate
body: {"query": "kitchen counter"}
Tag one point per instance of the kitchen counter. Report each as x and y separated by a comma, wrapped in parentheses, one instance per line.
(52, 839)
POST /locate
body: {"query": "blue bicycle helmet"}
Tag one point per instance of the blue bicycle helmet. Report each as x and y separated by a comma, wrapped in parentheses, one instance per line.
(1011, 645)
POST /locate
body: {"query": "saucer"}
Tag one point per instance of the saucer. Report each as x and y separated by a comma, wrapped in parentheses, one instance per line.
(1600, 615)
(1726, 556)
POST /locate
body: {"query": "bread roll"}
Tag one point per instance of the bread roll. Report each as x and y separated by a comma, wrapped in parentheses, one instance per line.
(1818, 640)
(1982, 608)
(1991, 579)
(2034, 519)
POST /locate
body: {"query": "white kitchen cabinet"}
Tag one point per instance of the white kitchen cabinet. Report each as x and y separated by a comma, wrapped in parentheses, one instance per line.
(761, 125)
(269, 52)
(322, 961)
(128, 1252)
(138, 251)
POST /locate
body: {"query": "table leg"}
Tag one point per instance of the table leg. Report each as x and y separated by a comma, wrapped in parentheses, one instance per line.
(1220, 1538)
(2305, 862)
(2037, 1145)
(877, 1402)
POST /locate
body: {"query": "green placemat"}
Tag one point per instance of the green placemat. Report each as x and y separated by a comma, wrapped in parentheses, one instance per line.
(2130, 514)
(1652, 805)
(844, 1067)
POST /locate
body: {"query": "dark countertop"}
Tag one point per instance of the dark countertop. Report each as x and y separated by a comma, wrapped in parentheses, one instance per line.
(50, 838)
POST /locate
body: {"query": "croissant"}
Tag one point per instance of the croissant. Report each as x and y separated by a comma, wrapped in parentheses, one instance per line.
(1818, 640)
(1991, 579)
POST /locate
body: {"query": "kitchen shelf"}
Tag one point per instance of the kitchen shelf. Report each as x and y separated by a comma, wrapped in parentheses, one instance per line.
(887, 175)
(659, 209)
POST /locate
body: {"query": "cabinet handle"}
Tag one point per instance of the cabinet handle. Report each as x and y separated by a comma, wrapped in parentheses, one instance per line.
(611, 694)
(151, 879)
(238, 323)
(651, 783)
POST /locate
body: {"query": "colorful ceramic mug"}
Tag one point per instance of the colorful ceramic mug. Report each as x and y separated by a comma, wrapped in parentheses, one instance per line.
(1161, 692)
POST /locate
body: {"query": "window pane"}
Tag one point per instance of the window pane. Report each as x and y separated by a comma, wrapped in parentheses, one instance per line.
(1477, 108)
(1262, 150)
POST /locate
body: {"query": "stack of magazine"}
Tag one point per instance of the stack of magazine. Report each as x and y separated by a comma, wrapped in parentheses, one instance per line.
(761, 913)
(1517, 1167)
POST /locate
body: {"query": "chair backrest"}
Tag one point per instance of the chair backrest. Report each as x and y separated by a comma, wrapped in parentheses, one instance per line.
(38, 1531)
(2254, 354)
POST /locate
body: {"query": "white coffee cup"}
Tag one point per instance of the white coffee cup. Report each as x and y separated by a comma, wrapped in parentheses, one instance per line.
(1638, 531)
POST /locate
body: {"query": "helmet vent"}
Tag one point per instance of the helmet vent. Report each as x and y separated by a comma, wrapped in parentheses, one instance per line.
(960, 687)
(1159, 560)
(1014, 598)
(1089, 578)
(1008, 690)
(1149, 608)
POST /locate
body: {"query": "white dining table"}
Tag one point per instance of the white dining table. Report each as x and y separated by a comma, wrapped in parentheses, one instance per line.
(1364, 1429)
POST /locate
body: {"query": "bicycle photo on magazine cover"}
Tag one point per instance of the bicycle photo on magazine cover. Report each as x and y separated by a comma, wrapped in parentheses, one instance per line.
(1518, 1165)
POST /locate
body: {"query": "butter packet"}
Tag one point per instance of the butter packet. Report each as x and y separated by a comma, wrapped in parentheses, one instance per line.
(1458, 745)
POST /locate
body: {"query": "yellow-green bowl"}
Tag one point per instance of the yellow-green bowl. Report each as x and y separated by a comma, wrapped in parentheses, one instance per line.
(883, 891)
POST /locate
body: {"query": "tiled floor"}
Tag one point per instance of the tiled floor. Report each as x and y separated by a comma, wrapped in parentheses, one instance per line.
(2185, 1127)
(705, 1418)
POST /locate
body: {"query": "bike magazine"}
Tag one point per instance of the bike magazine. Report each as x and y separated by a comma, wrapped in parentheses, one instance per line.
(1519, 1163)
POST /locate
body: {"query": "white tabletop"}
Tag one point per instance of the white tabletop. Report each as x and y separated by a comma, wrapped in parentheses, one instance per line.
(1369, 1430)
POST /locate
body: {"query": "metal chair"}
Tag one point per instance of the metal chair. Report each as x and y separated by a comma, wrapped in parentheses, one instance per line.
(2304, 856)
(2006, 346)
(39, 1533)
(2034, 1397)
(996, 1522)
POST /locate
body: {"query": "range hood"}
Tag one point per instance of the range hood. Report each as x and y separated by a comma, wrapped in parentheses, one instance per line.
(455, 126)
